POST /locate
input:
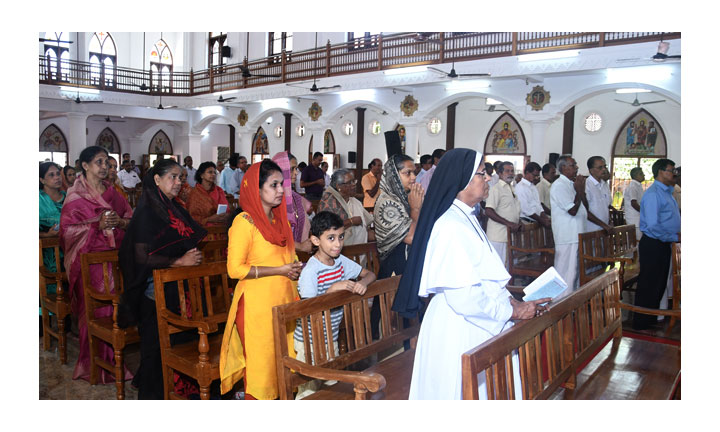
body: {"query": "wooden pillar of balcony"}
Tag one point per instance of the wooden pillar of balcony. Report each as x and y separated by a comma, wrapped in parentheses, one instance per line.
(514, 43)
(568, 126)
(601, 39)
(450, 134)
(102, 75)
(192, 82)
(327, 58)
(283, 64)
(379, 52)
(359, 146)
(245, 65)
(442, 47)
(288, 135)
(232, 139)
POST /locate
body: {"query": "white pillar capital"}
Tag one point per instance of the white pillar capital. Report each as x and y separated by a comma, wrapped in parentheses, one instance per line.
(536, 149)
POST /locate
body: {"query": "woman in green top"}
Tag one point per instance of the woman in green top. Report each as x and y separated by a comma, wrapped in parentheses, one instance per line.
(51, 200)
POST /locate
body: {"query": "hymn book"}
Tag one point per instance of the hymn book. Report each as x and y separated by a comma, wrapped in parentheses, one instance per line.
(548, 284)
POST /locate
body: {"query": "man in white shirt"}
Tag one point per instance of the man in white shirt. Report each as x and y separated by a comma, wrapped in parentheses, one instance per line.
(503, 210)
(598, 196)
(568, 218)
(631, 199)
(239, 174)
(527, 193)
(549, 175)
(227, 180)
(437, 154)
(425, 165)
(190, 170)
(128, 177)
(301, 166)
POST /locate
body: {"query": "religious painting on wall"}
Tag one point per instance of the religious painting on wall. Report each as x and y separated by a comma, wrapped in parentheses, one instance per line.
(538, 98)
(403, 140)
(315, 111)
(328, 142)
(505, 137)
(260, 146)
(409, 105)
(109, 141)
(640, 135)
(242, 118)
(52, 140)
(160, 144)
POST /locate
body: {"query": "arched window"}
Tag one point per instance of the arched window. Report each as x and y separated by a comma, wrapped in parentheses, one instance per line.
(59, 49)
(160, 146)
(161, 65)
(639, 143)
(260, 146)
(110, 142)
(506, 142)
(216, 42)
(277, 42)
(102, 51)
(328, 151)
(53, 146)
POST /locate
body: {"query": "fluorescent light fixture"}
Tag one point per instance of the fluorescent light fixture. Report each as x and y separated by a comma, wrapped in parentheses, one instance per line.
(641, 74)
(491, 101)
(406, 70)
(632, 90)
(353, 95)
(548, 55)
(79, 89)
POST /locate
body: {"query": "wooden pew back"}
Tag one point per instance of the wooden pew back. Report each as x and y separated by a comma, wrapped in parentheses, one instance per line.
(356, 253)
(598, 250)
(531, 251)
(57, 303)
(571, 332)
(323, 363)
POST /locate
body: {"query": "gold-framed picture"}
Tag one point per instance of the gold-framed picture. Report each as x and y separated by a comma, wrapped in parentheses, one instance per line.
(538, 98)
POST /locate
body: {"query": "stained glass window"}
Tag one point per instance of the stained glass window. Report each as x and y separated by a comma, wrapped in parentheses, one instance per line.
(375, 127)
(161, 65)
(435, 126)
(348, 128)
(300, 130)
(102, 51)
(53, 145)
(277, 42)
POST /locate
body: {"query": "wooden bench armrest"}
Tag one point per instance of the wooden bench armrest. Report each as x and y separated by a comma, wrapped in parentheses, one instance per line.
(648, 311)
(369, 381)
(176, 320)
(532, 250)
(607, 259)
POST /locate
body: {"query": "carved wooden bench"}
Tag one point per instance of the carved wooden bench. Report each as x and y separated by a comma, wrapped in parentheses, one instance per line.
(598, 250)
(59, 302)
(531, 251)
(388, 379)
(565, 354)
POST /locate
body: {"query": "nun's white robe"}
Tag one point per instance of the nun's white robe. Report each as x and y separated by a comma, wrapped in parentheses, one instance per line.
(470, 305)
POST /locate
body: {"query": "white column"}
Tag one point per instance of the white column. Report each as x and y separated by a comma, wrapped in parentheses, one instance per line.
(136, 149)
(411, 141)
(243, 144)
(194, 146)
(77, 135)
(536, 147)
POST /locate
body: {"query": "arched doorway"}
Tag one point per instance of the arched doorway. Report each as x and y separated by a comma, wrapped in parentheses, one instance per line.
(506, 142)
(53, 146)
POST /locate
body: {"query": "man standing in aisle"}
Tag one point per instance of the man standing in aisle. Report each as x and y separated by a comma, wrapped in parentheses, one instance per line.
(371, 183)
(631, 200)
(239, 174)
(503, 210)
(568, 218)
(660, 225)
(598, 196)
(227, 177)
(190, 170)
(313, 178)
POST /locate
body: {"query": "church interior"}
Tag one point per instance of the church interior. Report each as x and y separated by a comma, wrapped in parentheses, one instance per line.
(514, 96)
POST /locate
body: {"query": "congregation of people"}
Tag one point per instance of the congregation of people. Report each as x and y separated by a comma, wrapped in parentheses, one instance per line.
(442, 225)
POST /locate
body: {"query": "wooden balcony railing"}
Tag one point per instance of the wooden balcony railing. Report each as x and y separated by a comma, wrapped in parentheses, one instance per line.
(379, 52)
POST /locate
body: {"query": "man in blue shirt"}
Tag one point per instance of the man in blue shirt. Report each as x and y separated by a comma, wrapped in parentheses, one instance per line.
(660, 225)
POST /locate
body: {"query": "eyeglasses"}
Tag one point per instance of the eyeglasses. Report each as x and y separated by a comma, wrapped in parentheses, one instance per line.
(482, 173)
(352, 183)
(674, 171)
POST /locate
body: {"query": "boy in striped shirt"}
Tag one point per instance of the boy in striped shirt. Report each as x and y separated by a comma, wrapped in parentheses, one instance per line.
(328, 271)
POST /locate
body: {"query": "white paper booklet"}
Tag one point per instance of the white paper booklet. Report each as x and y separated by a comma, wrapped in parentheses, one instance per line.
(221, 208)
(548, 284)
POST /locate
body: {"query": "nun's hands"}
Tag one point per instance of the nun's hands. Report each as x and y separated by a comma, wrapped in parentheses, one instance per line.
(527, 310)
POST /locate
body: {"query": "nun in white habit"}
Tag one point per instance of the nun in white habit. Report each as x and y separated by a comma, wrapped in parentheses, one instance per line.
(453, 259)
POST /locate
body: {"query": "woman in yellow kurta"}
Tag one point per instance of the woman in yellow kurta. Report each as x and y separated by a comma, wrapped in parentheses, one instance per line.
(261, 254)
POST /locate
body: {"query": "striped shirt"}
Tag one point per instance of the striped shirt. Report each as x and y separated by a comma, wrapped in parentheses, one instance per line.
(316, 278)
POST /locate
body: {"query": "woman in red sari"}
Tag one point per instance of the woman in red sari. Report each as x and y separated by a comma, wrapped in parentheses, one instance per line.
(204, 198)
(93, 219)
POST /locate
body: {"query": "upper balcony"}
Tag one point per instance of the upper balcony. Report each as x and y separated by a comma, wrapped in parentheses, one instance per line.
(368, 54)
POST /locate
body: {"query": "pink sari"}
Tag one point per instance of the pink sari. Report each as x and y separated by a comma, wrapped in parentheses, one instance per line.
(80, 233)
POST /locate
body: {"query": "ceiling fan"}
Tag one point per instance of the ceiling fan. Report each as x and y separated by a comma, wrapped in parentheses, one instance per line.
(77, 99)
(314, 87)
(662, 52)
(222, 99)
(637, 103)
(107, 119)
(160, 105)
(247, 74)
(453, 74)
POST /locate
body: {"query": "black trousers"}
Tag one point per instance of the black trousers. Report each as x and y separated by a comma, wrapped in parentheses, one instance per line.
(652, 280)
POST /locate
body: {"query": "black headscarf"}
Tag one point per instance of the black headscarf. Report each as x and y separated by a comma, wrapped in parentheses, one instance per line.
(451, 176)
(160, 232)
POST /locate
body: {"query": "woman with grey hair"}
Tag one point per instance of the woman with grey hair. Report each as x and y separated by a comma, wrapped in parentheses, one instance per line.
(339, 198)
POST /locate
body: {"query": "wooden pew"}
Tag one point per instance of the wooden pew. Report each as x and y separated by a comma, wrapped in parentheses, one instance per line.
(388, 379)
(57, 303)
(598, 250)
(531, 251)
(106, 328)
(199, 311)
(357, 252)
(673, 313)
(617, 217)
(554, 347)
